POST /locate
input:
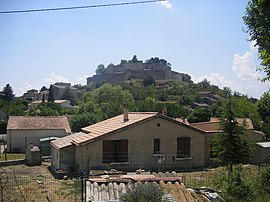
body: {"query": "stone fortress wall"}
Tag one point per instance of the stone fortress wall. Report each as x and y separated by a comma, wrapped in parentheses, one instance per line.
(138, 70)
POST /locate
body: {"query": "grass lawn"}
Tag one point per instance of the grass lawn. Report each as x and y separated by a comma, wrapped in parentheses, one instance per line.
(12, 157)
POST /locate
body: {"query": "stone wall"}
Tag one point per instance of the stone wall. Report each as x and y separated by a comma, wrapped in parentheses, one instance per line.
(122, 72)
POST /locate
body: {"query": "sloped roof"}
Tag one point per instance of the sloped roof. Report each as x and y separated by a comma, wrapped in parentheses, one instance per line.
(75, 138)
(96, 130)
(214, 124)
(38, 123)
(207, 126)
(92, 132)
(117, 122)
(264, 144)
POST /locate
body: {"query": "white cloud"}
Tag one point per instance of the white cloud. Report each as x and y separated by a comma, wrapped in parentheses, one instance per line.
(82, 79)
(53, 78)
(253, 46)
(167, 4)
(23, 89)
(215, 79)
(251, 87)
(244, 67)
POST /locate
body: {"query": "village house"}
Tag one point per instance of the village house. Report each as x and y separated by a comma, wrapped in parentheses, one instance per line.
(25, 130)
(133, 140)
(63, 103)
(130, 141)
(59, 89)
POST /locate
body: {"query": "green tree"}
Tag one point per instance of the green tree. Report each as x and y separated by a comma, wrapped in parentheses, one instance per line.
(46, 109)
(43, 88)
(134, 59)
(246, 109)
(100, 69)
(234, 187)
(148, 81)
(16, 107)
(108, 100)
(186, 78)
(204, 84)
(264, 105)
(257, 19)
(200, 114)
(8, 94)
(79, 121)
(229, 146)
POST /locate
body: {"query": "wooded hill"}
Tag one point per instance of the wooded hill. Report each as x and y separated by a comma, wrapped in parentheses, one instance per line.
(196, 102)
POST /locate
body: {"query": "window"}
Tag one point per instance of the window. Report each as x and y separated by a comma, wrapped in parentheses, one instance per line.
(156, 146)
(183, 147)
(115, 151)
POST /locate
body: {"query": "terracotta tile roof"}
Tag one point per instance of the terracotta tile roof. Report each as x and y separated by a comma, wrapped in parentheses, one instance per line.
(117, 122)
(38, 123)
(214, 124)
(96, 130)
(207, 126)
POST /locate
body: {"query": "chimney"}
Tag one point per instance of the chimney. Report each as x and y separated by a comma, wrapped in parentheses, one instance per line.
(125, 112)
(164, 111)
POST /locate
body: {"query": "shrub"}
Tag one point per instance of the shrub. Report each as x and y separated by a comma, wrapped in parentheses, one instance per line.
(263, 181)
(143, 193)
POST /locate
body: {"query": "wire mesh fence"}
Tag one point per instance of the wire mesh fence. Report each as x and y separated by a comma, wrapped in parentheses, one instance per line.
(18, 186)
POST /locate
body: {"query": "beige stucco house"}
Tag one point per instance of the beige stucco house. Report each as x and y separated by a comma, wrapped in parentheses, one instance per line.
(130, 141)
(23, 130)
(135, 140)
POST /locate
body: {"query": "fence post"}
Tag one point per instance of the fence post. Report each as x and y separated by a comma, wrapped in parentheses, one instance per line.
(82, 186)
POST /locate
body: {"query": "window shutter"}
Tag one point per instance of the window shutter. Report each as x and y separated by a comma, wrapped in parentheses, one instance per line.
(107, 151)
(124, 150)
(183, 147)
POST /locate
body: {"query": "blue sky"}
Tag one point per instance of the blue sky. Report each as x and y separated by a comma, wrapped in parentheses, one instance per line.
(203, 38)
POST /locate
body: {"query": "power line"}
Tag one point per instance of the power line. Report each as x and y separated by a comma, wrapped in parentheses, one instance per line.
(80, 7)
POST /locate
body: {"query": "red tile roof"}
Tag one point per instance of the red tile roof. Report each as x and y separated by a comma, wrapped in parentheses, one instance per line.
(38, 123)
(104, 127)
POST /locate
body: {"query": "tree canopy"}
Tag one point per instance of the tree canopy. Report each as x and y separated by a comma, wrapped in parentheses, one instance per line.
(229, 146)
(7, 93)
(148, 81)
(257, 19)
(200, 114)
(100, 69)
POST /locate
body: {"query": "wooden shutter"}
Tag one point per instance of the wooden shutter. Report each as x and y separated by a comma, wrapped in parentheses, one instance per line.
(124, 151)
(183, 147)
(107, 151)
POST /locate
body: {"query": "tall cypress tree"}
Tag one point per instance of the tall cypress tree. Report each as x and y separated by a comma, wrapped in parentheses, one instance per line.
(8, 94)
(229, 145)
(51, 96)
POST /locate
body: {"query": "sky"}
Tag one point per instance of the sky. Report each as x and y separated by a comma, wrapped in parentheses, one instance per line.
(203, 38)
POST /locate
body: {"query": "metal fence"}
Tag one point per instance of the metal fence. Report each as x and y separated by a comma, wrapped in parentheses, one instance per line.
(18, 186)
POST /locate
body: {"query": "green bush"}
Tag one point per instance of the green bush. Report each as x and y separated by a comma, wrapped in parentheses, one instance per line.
(234, 187)
(263, 181)
(143, 193)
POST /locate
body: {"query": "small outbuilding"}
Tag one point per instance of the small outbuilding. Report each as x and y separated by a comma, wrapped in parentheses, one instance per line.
(24, 130)
(32, 155)
(262, 153)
